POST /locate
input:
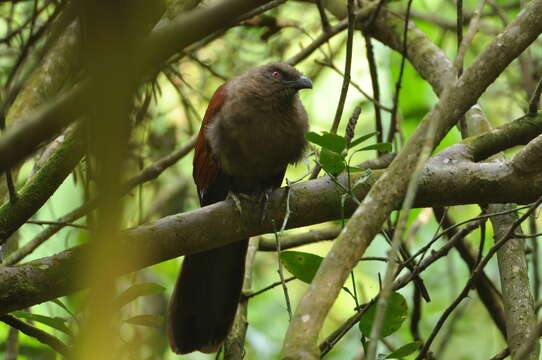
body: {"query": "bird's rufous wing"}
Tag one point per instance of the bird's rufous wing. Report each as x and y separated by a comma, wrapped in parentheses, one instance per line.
(211, 182)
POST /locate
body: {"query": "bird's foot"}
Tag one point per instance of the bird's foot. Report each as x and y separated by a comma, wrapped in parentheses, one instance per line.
(264, 203)
(238, 198)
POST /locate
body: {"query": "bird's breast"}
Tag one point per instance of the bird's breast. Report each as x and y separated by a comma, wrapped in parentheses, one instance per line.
(259, 142)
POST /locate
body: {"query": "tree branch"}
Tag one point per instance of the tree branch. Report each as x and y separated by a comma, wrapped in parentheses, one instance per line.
(38, 190)
(36, 333)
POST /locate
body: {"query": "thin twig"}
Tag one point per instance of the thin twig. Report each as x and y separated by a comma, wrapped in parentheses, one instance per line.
(282, 279)
(356, 86)
(416, 314)
(12, 192)
(502, 355)
(465, 42)
(375, 14)
(36, 333)
(44, 222)
(326, 345)
(376, 87)
(269, 287)
(323, 16)
(459, 32)
(317, 43)
(393, 123)
(482, 241)
(280, 271)
(347, 68)
(535, 99)
(535, 259)
(270, 5)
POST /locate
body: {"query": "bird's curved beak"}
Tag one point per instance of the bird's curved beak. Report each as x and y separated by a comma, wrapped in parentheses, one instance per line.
(302, 82)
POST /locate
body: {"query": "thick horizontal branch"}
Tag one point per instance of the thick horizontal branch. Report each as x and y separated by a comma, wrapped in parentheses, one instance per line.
(444, 184)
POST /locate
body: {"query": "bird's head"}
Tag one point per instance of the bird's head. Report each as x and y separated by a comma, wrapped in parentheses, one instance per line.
(279, 79)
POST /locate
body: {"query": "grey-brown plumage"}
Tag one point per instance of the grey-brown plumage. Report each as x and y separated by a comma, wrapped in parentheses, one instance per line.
(253, 128)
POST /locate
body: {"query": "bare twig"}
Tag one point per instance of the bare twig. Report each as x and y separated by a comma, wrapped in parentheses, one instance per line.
(44, 222)
(393, 123)
(463, 43)
(502, 355)
(270, 5)
(459, 32)
(323, 16)
(376, 87)
(356, 86)
(535, 99)
(282, 279)
(347, 68)
(269, 287)
(36, 333)
(294, 240)
(535, 259)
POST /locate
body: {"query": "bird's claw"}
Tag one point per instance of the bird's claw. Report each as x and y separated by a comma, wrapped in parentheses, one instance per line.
(236, 201)
(264, 202)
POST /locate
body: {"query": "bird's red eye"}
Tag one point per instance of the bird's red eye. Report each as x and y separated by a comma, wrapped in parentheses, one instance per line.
(275, 75)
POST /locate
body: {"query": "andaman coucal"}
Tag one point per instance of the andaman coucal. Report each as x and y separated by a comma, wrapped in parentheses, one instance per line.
(253, 128)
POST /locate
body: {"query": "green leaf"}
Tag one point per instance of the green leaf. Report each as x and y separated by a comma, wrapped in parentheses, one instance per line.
(396, 313)
(300, 264)
(384, 147)
(405, 350)
(137, 290)
(327, 140)
(331, 162)
(61, 304)
(149, 320)
(362, 139)
(54, 322)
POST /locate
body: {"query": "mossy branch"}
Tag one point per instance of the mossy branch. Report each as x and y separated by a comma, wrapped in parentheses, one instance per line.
(40, 188)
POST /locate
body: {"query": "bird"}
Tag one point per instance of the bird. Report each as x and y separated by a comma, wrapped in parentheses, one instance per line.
(254, 126)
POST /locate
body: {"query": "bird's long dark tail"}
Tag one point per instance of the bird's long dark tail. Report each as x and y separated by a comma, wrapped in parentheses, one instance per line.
(205, 298)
